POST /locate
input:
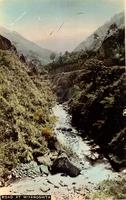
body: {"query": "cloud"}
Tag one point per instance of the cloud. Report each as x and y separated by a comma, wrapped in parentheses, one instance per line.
(18, 18)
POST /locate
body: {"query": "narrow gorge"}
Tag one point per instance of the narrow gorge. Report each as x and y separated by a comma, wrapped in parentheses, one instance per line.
(63, 123)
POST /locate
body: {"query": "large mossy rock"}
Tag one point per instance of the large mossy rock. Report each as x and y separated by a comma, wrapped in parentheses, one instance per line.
(63, 165)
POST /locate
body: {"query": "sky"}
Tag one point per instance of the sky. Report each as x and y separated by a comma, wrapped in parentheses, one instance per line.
(58, 25)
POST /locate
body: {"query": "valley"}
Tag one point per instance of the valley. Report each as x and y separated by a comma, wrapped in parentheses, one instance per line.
(62, 123)
(78, 151)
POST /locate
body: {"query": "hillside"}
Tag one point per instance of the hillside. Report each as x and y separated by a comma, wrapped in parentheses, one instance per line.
(66, 125)
(29, 49)
(94, 41)
(93, 84)
(25, 112)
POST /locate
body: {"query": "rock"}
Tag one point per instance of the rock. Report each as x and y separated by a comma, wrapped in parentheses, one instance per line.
(44, 169)
(36, 170)
(44, 175)
(53, 156)
(62, 154)
(62, 184)
(63, 165)
(123, 172)
(82, 162)
(53, 182)
(69, 129)
(55, 186)
(5, 44)
(65, 129)
(44, 188)
(64, 174)
(50, 182)
(44, 160)
(2, 182)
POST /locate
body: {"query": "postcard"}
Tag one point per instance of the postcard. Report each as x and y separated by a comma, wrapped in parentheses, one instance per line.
(62, 100)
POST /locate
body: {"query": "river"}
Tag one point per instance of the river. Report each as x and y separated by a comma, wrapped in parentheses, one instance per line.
(77, 150)
(73, 143)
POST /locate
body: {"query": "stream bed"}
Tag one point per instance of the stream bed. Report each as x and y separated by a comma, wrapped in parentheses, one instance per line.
(77, 150)
(80, 149)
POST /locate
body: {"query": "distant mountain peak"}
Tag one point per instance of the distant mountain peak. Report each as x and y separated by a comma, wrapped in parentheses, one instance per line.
(26, 47)
(93, 42)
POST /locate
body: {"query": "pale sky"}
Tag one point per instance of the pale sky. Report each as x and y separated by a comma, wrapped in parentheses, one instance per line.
(58, 25)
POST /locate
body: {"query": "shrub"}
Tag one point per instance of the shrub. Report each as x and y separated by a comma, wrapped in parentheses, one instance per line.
(39, 116)
(26, 156)
(111, 188)
(47, 132)
(52, 56)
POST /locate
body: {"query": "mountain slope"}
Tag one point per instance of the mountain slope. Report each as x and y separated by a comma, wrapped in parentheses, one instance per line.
(94, 84)
(25, 111)
(94, 41)
(29, 49)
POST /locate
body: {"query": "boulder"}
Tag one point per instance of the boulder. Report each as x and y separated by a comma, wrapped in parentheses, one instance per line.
(5, 44)
(63, 165)
(44, 160)
(65, 129)
(2, 182)
(44, 188)
(44, 169)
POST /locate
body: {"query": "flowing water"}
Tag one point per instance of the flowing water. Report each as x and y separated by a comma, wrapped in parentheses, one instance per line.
(77, 150)
(72, 142)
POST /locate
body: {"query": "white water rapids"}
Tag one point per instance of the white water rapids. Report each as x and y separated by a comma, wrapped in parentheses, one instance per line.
(72, 142)
(77, 150)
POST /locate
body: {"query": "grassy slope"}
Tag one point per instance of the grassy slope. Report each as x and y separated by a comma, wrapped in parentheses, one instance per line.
(25, 116)
(111, 189)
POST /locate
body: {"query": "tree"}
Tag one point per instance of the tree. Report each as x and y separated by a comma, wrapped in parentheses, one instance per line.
(96, 36)
(112, 27)
(52, 56)
(66, 53)
(60, 59)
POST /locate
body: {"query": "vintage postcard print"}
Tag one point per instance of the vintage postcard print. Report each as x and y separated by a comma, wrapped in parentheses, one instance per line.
(62, 99)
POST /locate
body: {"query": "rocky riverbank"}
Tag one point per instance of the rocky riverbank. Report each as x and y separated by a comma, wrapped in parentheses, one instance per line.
(37, 178)
(41, 151)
